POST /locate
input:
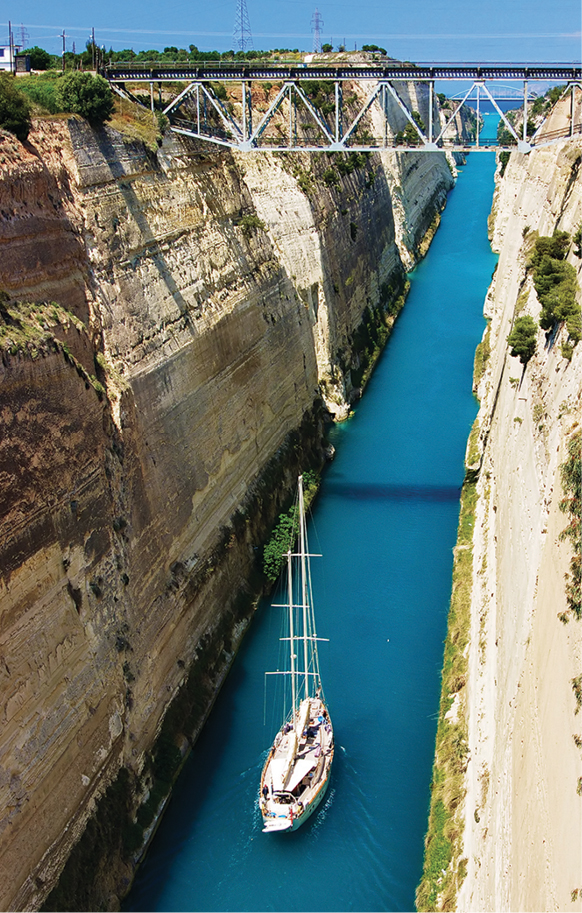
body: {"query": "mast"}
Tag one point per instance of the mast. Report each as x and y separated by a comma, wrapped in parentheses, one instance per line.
(303, 551)
(291, 632)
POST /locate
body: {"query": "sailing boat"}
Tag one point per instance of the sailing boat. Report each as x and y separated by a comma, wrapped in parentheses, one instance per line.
(297, 770)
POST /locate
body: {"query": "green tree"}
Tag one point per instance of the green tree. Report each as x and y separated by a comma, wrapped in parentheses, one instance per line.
(522, 338)
(555, 246)
(327, 48)
(87, 95)
(39, 58)
(554, 94)
(504, 136)
(14, 108)
(556, 284)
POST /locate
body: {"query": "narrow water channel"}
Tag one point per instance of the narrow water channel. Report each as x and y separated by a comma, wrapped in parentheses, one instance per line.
(385, 522)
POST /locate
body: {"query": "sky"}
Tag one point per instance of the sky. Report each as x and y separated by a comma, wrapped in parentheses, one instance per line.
(540, 31)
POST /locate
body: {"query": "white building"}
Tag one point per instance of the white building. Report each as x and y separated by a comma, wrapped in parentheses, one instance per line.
(7, 56)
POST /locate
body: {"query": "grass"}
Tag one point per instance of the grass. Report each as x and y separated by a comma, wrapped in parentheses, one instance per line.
(29, 329)
(42, 90)
(473, 448)
(444, 870)
(482, 354)
(137, 124)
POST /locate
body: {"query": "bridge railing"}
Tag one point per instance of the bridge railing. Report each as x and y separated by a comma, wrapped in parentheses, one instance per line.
(247, 70)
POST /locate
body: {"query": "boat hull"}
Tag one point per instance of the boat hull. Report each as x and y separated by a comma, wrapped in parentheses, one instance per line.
(312, 807)
(297, 771)
(284, 825)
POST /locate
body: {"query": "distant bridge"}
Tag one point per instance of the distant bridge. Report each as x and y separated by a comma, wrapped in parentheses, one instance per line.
(289, 120)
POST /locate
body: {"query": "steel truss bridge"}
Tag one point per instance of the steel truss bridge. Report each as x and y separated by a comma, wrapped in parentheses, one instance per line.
(200, 110)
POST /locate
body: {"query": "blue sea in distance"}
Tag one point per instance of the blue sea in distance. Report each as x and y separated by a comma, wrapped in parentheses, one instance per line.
(386, 522)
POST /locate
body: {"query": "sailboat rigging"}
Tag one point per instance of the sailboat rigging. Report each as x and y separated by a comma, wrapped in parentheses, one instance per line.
(296, 773)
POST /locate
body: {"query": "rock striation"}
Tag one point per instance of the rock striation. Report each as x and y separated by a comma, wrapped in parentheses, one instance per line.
(205, 322)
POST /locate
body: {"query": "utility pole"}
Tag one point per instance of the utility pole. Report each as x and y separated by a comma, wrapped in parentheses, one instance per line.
(11, 47)
(316, 27)
(242, 27)
(64, 48)
(93, 48)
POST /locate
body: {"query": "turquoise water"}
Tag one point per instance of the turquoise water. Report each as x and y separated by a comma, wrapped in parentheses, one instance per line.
(386, 523)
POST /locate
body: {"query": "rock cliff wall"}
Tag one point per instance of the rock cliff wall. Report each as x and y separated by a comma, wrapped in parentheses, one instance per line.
(153, 420)
(523, 818)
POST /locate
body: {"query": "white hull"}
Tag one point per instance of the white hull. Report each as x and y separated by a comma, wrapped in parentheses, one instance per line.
(294, 783)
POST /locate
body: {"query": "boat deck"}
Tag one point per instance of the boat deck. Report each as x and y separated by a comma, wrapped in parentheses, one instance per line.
(296, 772)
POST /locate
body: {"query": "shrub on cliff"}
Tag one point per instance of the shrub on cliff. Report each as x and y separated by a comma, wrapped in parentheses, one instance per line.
(556, 284)
(87, 95)
(14, 108)
(571, 505)
(285, 532)
(522, 338)
(249, 224)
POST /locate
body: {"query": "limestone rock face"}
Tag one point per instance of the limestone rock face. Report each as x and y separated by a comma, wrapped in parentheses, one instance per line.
(43, 254)
(523, 818)
(219, 302)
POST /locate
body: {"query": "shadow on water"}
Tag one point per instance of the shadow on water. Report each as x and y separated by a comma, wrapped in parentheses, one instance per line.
(193, 790)
(373, 491)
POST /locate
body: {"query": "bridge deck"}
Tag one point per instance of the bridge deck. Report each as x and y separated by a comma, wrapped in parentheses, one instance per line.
(316, 71)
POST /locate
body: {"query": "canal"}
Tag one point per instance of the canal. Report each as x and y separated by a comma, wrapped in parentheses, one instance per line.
(385, 522)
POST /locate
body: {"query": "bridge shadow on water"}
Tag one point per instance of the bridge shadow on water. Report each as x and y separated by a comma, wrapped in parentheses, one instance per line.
(374, 491)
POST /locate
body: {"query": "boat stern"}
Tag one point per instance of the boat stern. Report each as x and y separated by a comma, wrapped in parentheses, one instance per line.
(274, 825)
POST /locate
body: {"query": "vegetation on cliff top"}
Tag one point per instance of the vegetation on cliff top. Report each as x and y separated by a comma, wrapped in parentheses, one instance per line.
(75, 93)
(14, 108)
(87, 95)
